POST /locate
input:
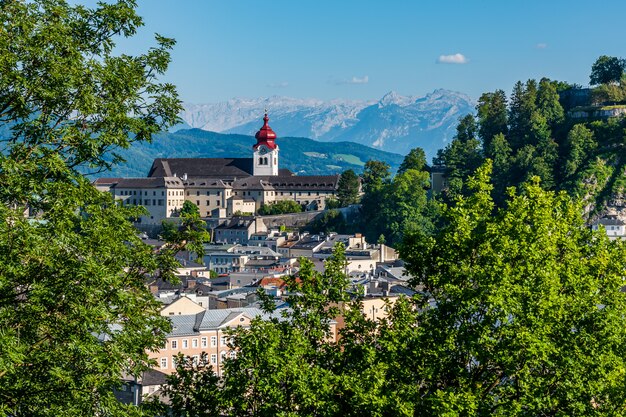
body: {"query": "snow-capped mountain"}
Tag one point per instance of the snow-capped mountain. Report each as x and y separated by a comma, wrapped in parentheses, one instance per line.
(395, 123)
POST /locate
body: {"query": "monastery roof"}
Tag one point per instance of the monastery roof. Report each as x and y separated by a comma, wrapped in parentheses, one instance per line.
(302, 182)
(205, 183)
(198, 168)
(107, 181)
(253, 183)
(159, 182)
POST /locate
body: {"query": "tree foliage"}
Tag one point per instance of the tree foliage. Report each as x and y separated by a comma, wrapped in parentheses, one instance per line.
(348, 188)
(74, 311)
(607, 70)
(520, 312)
(527, 309)
(390, 207)
(280, 207)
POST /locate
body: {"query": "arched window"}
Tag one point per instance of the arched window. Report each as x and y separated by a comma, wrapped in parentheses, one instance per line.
(260, 161)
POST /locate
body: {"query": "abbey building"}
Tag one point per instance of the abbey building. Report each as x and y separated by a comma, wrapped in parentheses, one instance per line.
(221, 187)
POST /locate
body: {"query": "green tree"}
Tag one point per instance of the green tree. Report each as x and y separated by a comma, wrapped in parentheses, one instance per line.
(607, 70)
(548, 103)
(74, 312)
(332, 203)
(348, 188)
(330, 221)
(192, 391)
(461, 157)
(376, 182)
(280, 207)
(521, 109)
(406, 205)
(580, 142)
(526, 312)
(415, 159)
(376, 175)
(189, 209)
(492, 118)
(282, 365)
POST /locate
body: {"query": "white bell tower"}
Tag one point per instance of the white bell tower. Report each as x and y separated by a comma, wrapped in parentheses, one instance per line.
(265, 155)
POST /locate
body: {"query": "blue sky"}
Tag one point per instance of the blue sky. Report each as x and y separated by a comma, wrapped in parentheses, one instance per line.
(363, 49)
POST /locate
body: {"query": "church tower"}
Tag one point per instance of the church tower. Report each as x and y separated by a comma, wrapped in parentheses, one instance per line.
(265, 159)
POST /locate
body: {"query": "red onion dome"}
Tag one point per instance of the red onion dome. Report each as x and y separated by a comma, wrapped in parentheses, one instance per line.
(265, 135)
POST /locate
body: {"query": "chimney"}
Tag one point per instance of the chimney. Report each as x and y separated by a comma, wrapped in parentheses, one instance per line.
(185, 176)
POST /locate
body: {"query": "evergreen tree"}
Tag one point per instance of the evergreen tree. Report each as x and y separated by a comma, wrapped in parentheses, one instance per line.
(521, 109)
(580, 141)
(492, 118)
(348, 188)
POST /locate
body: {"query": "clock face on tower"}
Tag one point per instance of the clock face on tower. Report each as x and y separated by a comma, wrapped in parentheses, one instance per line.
(262, 150)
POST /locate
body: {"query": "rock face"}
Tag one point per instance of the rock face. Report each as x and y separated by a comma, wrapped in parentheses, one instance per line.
(395, 123)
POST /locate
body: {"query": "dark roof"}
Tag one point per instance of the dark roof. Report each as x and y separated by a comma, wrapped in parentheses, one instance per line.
(236, 223)
(302, 182)
(153, 377)
(202, 167)
(106, 181)
(205, 183)
(611, 221)
(253, 183)
(161, 182)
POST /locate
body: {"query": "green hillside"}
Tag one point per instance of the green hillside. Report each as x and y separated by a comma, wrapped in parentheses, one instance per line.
(300, 155)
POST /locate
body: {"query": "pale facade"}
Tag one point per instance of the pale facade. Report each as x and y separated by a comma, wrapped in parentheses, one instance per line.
(161, 197)
(182, 306)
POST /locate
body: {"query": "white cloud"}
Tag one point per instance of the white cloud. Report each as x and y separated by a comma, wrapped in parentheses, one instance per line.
(541, 45)
(452, 59)
(281, 84)
(354, 80)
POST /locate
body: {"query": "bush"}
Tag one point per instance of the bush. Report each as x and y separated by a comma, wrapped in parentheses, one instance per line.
(280, 207)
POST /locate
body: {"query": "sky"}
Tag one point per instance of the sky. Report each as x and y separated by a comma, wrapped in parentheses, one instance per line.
(344, 49)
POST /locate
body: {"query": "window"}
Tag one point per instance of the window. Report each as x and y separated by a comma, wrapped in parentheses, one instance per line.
(194, 343)
(163, 363)
(173, 361)
(174, 344)
(223, 341)
(197, 202)
(218, 202)
(213, 358)
(195, 359)
(185, 343)
(203, 341)
(218, 193)
(197, 193)
(213, 341)
(222, 355)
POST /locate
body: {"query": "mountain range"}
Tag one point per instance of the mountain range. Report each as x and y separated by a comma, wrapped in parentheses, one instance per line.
(395, 123)
(300, 155)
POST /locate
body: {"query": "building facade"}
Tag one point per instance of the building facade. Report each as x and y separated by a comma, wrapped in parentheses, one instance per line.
(221, 187)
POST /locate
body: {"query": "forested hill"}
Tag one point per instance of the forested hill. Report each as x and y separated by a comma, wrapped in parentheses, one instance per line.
(300, 155)
(572, 138)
